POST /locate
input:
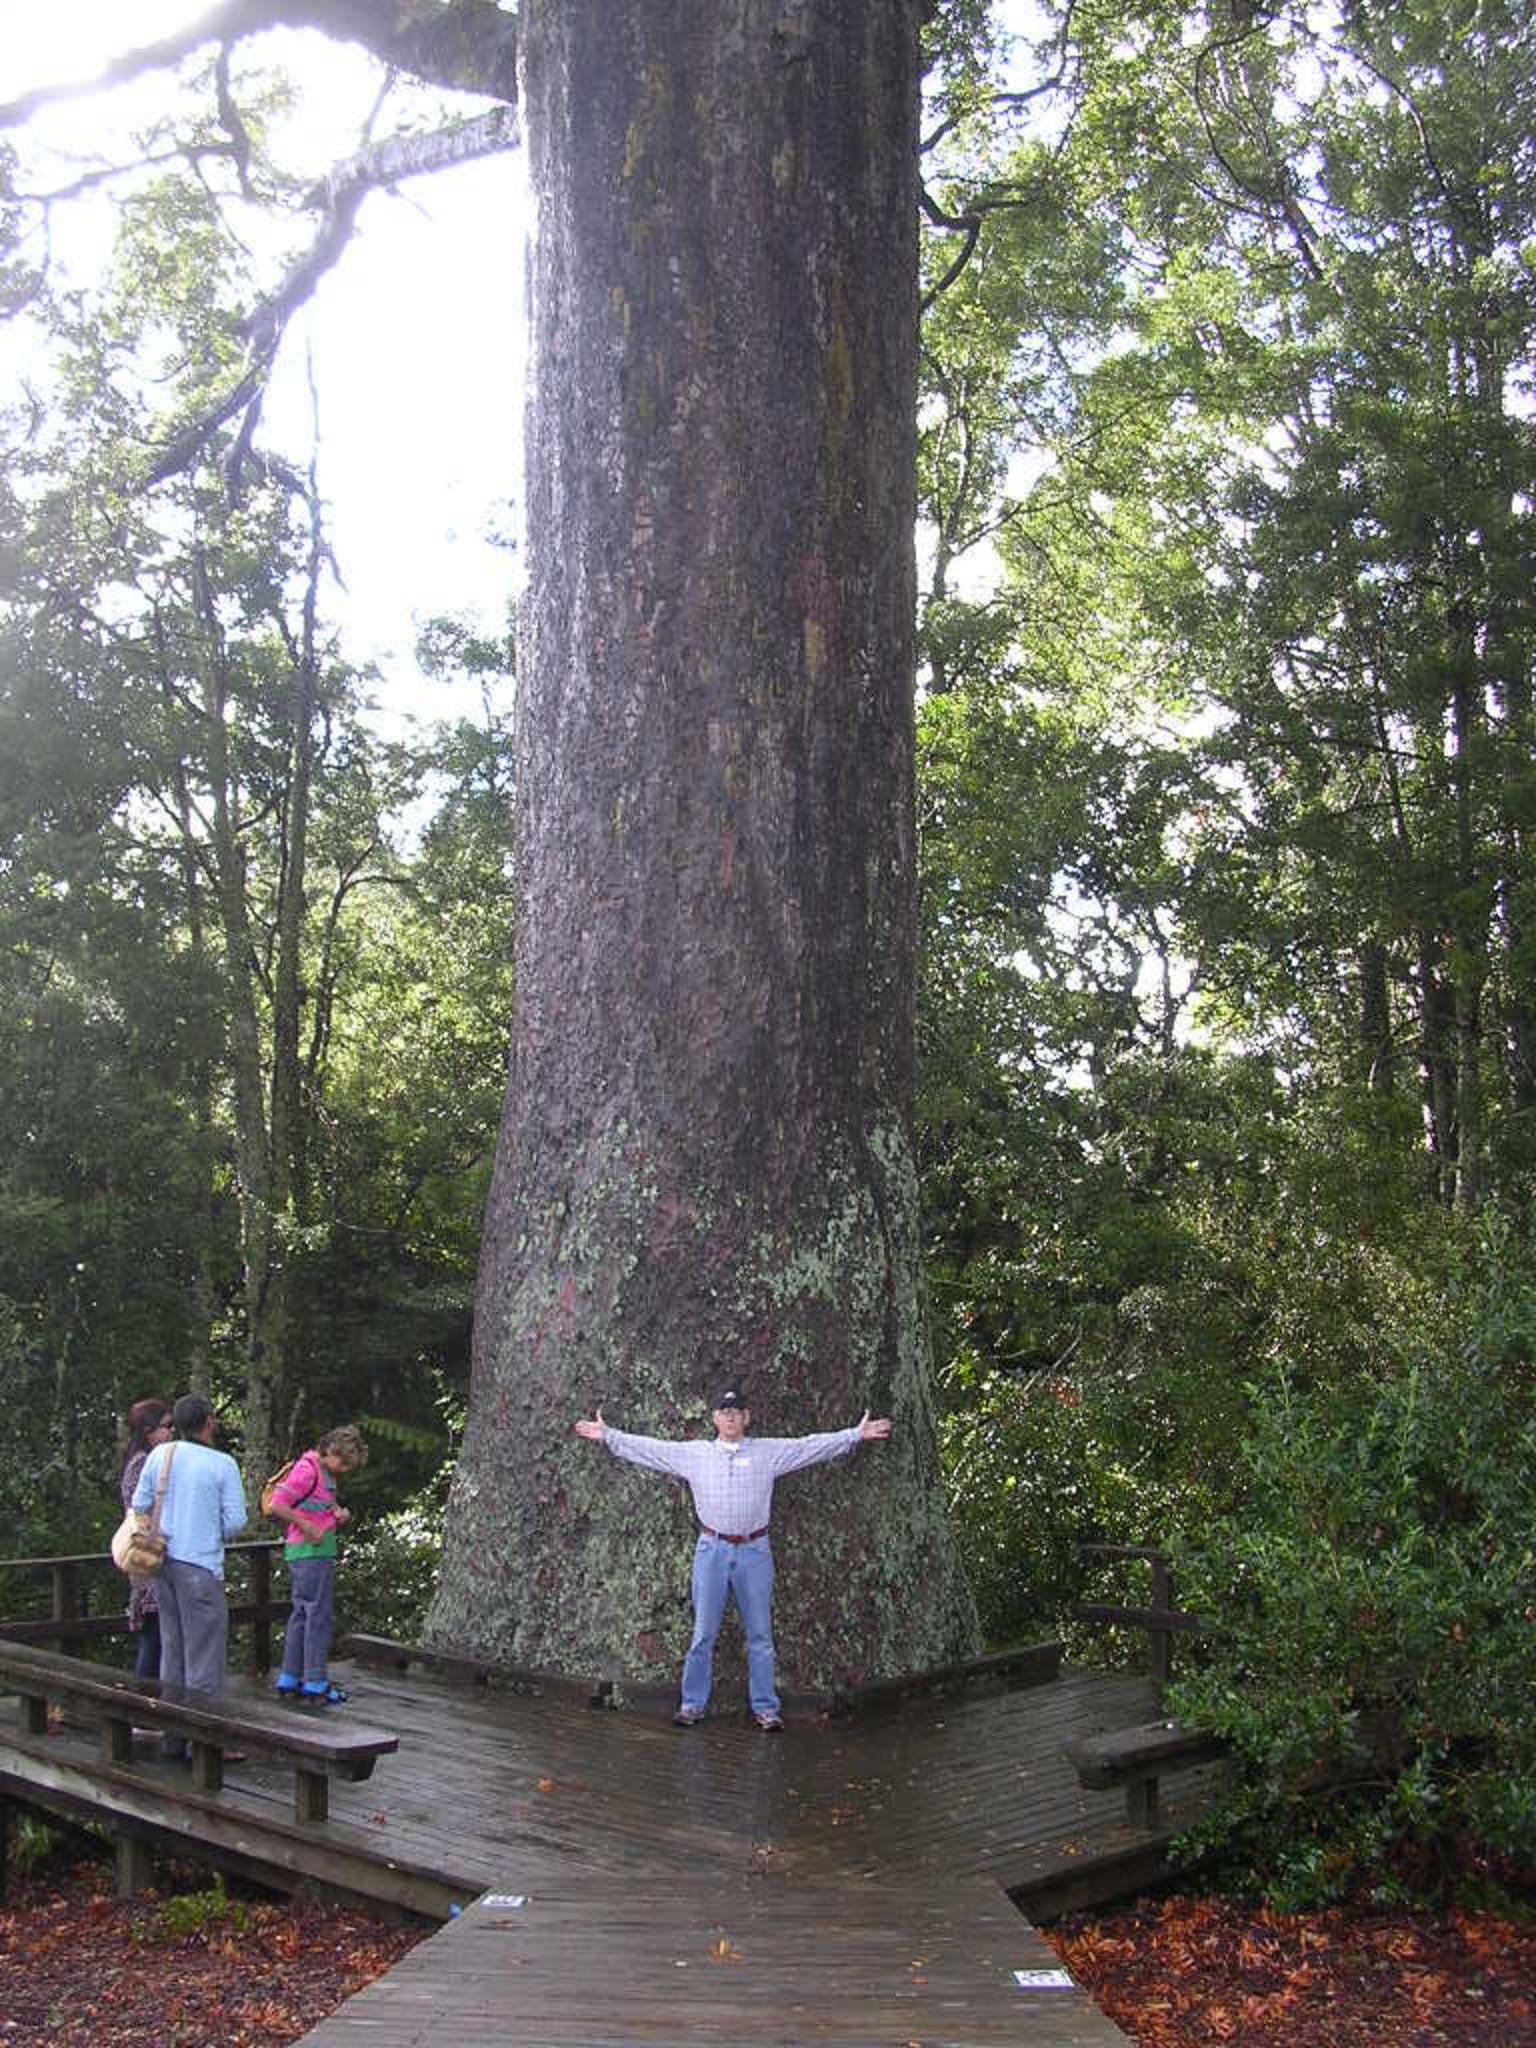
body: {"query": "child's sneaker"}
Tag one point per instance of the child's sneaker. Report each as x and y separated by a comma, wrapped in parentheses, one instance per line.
(327, 1695)
(287, 1686)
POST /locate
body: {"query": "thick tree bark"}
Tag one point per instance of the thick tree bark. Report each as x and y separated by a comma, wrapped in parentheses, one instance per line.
(704, 1165)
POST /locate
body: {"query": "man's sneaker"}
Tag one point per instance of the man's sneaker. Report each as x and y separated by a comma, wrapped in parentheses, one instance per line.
(687, 1717)
(769, 1723)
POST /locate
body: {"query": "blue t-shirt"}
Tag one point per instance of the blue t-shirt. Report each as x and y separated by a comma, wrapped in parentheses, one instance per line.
(204, 1502)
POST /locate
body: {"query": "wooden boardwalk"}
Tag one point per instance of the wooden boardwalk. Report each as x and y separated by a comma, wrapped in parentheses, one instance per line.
(734, 1966)
(844, 1882)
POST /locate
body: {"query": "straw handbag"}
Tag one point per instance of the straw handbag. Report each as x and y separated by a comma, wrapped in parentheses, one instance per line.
(138, 1547)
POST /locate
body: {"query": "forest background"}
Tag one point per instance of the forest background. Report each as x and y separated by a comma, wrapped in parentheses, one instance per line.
(1227, 794)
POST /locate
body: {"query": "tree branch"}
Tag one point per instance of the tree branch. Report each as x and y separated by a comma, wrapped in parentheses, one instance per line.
(379, 167)
(338, 198)
(459, 45)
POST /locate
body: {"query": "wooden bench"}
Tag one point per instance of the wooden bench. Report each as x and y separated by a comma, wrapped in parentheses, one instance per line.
(319, 1748)
(1138, 1759)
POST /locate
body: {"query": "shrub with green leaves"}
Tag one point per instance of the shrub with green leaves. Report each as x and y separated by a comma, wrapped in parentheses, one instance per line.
(389, 1572)
(196, 1916)
(1376, 1592)
(1035, 1468)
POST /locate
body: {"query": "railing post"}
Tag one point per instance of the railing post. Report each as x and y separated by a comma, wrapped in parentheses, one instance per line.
(1160, 1647)
(66, 1602)
(135, 1865)
(261, 1627)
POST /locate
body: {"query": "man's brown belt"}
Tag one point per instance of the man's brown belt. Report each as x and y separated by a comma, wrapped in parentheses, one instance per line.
(721, 1537)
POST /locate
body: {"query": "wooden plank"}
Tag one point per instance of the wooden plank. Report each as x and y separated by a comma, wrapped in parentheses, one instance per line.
(227, 1719)
(1125, 1755)
(116, 1741)
(756, 1964)
(1172, 1619)
(135, 1865)
(232, 1834)
(21, 1629)
(592, 1692)
(1026, 1664)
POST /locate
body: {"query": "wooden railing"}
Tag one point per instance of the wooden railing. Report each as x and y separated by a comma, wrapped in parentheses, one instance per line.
(75, 1582)
(1160, 1618)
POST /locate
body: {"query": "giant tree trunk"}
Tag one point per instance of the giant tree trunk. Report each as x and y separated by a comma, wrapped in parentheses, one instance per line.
(704, 1164)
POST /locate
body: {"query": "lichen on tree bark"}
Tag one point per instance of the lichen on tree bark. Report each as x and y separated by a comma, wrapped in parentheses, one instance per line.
(704, 1164)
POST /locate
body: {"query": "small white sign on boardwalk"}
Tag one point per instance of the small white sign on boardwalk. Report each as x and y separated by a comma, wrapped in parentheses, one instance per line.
(1044, 1980)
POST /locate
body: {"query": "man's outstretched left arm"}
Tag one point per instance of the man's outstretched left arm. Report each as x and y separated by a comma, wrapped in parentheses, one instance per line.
(794, 1453)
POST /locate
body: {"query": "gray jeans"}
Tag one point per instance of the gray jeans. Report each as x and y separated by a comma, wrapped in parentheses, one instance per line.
(194, 1634)
(307, 1645)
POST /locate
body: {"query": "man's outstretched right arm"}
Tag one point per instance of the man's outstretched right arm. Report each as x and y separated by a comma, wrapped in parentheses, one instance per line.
(653, 1452)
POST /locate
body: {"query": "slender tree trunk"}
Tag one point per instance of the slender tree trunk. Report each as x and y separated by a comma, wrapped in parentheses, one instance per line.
(1517, 885)
(1437, 1011)
(204, 1292)
(263, 1265)
(1470, 947)
(290, 1166)
(1503, 591)
(1376, 1020)
(704, 1165)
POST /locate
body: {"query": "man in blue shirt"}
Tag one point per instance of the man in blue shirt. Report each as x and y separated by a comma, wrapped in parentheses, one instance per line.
(204, 1506)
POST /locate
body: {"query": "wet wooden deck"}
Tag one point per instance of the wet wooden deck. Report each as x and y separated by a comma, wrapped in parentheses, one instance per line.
(737, 1965)
(843, 1882)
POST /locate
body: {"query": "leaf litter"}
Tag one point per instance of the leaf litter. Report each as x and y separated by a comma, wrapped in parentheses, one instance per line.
(81, 1968)
(1192, 1972)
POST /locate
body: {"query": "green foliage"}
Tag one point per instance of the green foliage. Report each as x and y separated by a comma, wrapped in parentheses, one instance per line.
(255, 962)
(390, 1570)
(195, 1916)
(1036, 1467)
(33, 1844)
(1227, 866)
(1375, 1587)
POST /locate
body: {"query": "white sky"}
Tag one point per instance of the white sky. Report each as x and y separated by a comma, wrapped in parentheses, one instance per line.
(416, 334)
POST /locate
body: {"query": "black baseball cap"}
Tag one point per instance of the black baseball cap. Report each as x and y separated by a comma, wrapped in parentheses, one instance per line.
(730, 1398)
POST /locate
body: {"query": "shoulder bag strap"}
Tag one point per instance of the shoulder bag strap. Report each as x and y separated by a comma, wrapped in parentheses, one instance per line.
(314, 1460)
(160, 1486)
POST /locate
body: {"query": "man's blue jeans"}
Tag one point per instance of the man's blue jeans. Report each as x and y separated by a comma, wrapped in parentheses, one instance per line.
(744, 1570)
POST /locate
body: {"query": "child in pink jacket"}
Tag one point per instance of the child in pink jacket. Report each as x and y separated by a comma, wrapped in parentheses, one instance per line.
(305, 1498)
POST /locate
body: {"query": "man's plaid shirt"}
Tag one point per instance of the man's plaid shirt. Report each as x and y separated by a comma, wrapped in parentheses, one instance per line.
(732, 1483)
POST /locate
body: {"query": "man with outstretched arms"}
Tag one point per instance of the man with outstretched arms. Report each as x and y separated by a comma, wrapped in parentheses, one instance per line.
(732, 1483)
